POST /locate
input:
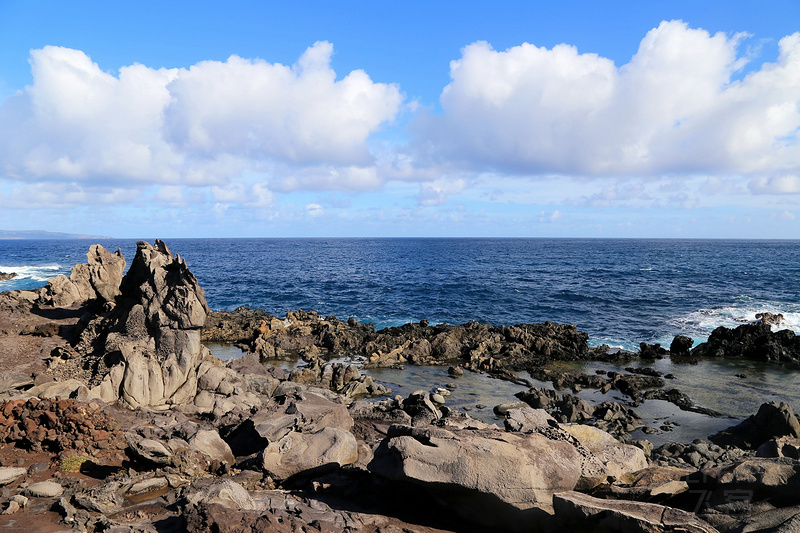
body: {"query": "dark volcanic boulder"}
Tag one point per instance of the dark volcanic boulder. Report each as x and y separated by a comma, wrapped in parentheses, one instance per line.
(751, 341)
(681, 345)
(651, 351)
(772, 420)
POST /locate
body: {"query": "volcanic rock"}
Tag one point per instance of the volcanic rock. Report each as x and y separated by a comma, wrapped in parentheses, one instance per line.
(97, 279)
(681, 345)
(295, 453)
(751, 341)
(771, 421)
(581, 512)
(147, 351)
(522, 470)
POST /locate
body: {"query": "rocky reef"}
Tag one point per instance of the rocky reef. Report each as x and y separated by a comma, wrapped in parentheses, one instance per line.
(473, 345)
(115, 417)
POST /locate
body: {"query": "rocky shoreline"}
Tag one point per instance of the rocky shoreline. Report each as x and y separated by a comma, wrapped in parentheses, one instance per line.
(116, 417)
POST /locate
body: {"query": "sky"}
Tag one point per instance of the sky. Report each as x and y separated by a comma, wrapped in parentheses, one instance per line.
(658, 119)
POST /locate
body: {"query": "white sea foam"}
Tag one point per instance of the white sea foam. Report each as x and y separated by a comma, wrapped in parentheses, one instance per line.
(702, 322)
(33, 272)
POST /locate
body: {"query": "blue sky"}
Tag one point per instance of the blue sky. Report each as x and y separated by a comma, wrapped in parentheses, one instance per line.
(588, 119)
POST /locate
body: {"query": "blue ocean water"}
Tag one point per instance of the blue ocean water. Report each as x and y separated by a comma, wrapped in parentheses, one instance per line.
(621, 292)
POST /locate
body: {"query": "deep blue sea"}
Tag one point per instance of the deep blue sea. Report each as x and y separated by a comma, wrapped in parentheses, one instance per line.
(619, 291)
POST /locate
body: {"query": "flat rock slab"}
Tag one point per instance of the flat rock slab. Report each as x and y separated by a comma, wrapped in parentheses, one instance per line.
(44, 489)
(9, 474)
(148, 485)
(582, 511)
(14, 380)
(521, 470)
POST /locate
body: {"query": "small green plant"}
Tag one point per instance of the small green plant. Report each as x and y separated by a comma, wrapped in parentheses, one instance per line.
(72, 464)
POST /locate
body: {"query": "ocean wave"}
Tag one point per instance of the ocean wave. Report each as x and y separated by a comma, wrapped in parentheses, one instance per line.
(703, 321)
(33, 272)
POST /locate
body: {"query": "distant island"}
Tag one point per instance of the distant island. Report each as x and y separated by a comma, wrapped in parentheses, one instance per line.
(35, 234)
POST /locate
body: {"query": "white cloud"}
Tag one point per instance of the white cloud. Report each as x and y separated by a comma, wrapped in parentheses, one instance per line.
(673, 109)
(776, 185)
(436, 192)
(204, 125)
(257, 109)
(314, 210)
(64, 196)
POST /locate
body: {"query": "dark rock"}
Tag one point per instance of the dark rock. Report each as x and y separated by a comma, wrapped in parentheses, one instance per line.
(651, 351)
(680, 399)
(772, 420)
(5, 276)
(770, 318)
(681, 345)
(754, 341)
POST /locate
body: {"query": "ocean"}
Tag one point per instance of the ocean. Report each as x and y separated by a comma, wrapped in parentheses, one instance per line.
(621, 292)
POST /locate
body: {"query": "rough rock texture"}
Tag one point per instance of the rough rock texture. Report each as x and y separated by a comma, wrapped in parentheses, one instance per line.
(147, 351)
(581, 512)
(681, 345)
(751, 341)
(98, 279)
(56, 425)
(479, 346)
(770, 476)
(521, 470)
(326, 449)
(617, 459)
(772, 420)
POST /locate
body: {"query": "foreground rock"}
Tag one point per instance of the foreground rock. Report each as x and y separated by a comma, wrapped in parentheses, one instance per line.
(581, 512)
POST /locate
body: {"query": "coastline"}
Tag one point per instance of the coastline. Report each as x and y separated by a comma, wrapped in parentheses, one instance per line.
(200, 427)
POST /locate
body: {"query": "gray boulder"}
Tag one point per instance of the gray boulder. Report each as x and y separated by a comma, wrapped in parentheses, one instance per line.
(9, 474)
(226, 493)
(97, 279)
(328, 448)
(44, 489)
(521, 470)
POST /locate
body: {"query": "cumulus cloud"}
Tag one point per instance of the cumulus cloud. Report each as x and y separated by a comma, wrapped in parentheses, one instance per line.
(675, 108)
(198, 126)
(258, 109)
